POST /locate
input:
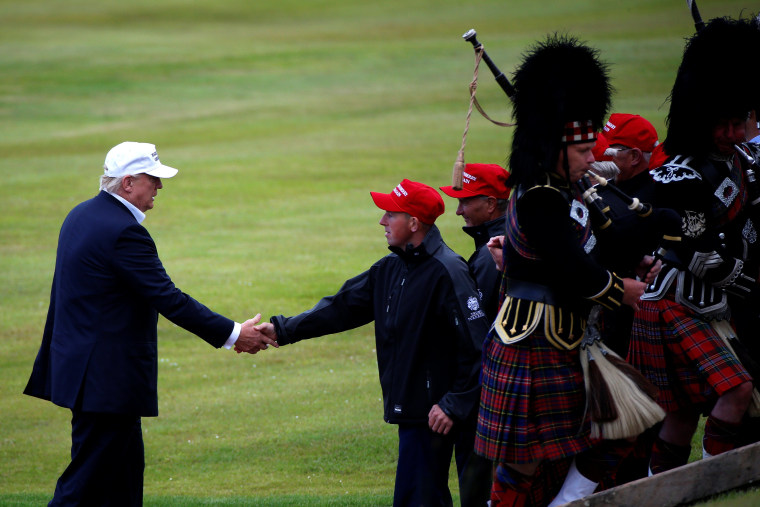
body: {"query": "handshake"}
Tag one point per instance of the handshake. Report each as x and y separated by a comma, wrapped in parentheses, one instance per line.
(255, 337)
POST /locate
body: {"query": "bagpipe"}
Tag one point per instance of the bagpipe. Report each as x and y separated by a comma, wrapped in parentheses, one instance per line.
(627, 237)
(654, 232)
(480, 54)
(621, 402)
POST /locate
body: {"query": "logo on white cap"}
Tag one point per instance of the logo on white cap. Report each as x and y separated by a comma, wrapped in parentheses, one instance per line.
(136, 158)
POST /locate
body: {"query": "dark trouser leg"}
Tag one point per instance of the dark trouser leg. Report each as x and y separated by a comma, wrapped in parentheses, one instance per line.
(422, 473)
(107, 462)
(474, 471)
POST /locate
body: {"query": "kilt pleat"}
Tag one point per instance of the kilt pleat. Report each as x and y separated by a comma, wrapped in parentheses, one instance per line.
(532, 402)
(682, 355)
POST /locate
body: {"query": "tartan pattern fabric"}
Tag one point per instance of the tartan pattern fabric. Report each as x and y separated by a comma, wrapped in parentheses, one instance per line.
(682, 355)
(514, 235)
(578, 132)
(532, 402)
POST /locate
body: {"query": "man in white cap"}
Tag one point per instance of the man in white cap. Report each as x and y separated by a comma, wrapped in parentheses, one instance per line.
(99, 353)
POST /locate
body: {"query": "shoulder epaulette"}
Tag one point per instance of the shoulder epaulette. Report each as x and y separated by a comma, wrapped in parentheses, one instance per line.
(677, 169)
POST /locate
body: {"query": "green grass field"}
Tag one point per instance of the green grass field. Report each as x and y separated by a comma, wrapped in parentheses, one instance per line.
(281, 117)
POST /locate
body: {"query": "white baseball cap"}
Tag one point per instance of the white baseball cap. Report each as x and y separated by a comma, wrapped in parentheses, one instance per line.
(136, 158)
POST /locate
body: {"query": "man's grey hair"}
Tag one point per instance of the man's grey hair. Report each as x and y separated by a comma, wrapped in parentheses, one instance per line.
(111, 184)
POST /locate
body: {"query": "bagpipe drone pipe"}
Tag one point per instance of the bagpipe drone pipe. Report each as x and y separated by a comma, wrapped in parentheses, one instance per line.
(627, 229)
(628, 233)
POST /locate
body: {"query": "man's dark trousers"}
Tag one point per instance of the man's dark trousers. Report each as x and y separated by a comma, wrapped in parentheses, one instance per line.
(107, 462)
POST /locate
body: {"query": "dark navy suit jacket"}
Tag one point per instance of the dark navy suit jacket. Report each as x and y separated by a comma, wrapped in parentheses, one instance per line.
(99, 350)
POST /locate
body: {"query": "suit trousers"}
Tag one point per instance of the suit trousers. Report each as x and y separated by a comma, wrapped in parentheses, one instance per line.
(107, 462)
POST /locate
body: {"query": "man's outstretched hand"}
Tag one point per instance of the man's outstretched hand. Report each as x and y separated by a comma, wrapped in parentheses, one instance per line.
(252, 339)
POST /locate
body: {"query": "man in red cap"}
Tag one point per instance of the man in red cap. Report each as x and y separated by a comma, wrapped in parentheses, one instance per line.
(428, 330)
(631, 139)
(628, 141)
(483, 206)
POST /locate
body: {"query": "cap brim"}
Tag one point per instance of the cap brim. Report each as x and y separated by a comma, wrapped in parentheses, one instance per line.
(163, 171)
(458, 194)
(385, 202)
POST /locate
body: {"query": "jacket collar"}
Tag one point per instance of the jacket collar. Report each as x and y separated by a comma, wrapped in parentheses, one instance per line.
(122, 204)
(430, 244)
(483, 232)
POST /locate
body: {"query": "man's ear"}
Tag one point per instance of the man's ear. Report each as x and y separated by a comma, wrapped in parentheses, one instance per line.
(636, 156)
(414, 224)
(492, 203)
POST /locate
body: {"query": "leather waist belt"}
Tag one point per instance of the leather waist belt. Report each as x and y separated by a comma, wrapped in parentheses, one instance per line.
(531, 291)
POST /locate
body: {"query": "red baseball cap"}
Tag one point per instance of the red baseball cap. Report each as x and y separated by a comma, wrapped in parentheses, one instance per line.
(417, 199)
(631, 130)
(481, 179)
(658, 157)
(600, 147)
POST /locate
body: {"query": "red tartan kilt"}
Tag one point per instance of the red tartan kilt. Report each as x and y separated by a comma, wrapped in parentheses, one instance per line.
(532, 402)
(682, 355)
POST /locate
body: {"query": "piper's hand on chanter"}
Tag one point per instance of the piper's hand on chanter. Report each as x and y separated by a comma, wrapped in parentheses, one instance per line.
(632, 292)
(251, 339)
(648, 269)
(496, 248)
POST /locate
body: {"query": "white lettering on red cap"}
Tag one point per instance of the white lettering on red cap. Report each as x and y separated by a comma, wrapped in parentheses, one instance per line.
(400, 190)
(468, 178)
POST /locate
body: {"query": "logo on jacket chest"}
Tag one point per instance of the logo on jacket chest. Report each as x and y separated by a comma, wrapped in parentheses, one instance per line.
(474, 306)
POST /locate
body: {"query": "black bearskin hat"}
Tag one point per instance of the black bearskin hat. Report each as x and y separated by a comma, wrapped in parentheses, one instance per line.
(717, 79)
(560, 81)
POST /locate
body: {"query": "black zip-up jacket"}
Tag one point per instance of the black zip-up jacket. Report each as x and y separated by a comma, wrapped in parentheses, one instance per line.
(482, 266)
(429, 328)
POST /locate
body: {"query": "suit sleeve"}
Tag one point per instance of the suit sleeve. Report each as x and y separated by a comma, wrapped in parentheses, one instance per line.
(39, 382)
(138, 262)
